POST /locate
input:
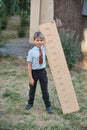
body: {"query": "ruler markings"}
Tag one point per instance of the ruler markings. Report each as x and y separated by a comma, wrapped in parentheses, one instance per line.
(59, 69)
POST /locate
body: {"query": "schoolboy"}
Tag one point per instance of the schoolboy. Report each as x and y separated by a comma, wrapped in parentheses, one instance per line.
(36, 70)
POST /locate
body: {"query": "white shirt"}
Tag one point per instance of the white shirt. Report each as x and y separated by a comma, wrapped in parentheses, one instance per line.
(33, 56)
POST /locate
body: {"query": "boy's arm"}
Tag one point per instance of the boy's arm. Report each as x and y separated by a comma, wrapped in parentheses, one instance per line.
(31, 81)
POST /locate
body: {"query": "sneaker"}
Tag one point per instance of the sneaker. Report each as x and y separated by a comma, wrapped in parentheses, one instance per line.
(28, 106)
(49, 110)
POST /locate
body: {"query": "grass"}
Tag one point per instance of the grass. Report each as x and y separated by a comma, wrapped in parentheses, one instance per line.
(14, 96)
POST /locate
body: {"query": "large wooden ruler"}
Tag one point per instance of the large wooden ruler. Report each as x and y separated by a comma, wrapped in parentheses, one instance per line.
(46, 11)
(34, 18)
(59, 69)
(40, 10)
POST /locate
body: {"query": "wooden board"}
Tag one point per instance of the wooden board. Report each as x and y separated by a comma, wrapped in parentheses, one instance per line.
(34, 18)
(59, 69)
(46, 11)
(39, 14)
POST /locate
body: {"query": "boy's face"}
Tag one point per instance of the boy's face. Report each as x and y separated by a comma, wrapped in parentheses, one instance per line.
(39, 41)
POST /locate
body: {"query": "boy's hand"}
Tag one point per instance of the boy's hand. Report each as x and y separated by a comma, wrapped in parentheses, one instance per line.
(31, 82)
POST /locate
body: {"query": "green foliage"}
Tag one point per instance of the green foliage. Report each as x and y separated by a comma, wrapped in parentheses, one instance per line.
(12, 6)
(4, 24)
(24, 5)
(71, 47)
(0, 38)
(16, 6)
(24, 23)
(21, 32)
(3, 12)
(3, 17)
(25, 19)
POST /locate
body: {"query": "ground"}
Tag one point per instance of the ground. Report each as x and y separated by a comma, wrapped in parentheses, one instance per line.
(14, 96)
(16, 47)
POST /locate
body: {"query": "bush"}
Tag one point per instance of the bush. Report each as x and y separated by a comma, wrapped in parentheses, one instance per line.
(21, 32)
(71, 47)
(25, 19)
(23, 24)
(3, 24)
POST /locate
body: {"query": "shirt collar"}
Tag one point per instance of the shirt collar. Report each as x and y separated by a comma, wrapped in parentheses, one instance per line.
(40, 47)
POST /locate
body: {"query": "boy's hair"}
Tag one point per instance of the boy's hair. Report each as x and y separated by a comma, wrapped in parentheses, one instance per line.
(38, 34)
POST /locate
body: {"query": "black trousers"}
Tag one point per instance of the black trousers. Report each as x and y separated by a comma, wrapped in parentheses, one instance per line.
(40, 75)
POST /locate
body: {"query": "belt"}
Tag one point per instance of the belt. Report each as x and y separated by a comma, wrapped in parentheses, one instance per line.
(38, 70)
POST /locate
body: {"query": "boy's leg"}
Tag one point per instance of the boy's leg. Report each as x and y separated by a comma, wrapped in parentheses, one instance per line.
(33, 88)
(32, 94)
(31, 97)
(44, 87)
